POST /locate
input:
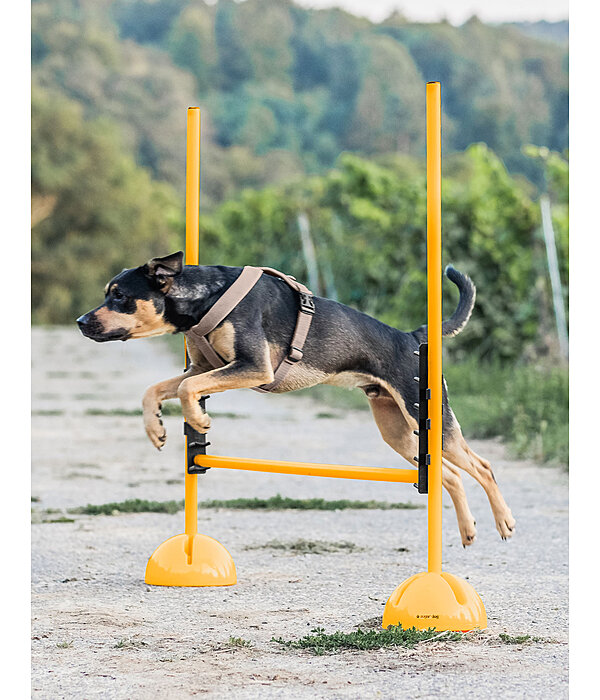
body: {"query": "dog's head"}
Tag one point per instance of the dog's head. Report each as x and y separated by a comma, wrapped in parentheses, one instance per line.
(134, 303)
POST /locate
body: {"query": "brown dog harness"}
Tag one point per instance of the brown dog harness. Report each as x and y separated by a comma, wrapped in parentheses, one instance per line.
(232, 297)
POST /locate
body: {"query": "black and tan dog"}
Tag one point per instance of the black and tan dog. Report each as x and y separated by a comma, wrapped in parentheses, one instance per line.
(344, 347)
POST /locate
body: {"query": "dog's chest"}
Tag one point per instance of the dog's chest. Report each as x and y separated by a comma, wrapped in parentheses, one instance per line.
(222, 340)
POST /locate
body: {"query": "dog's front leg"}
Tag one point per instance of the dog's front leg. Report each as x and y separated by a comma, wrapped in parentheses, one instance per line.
(236, 375)
(152, 404)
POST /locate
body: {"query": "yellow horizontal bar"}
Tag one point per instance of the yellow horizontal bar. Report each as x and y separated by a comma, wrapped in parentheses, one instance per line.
(339, 471)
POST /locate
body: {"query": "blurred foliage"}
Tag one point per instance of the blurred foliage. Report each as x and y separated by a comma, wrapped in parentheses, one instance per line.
(285, 89)
(368, 227)
(527, 405)
(94, 210)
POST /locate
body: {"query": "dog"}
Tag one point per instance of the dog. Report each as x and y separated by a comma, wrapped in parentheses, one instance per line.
(344, 348)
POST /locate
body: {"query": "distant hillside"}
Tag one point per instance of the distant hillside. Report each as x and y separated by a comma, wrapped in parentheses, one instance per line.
(558, 32)
(285, 90)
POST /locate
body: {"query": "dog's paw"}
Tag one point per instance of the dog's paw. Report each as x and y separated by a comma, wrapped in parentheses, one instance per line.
(506, 525)
(468, 533)
(155, 429)
(199, 421)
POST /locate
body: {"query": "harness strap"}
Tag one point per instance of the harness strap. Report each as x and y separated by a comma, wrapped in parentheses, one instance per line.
(232, 297)
(220, 310)
(303, 321)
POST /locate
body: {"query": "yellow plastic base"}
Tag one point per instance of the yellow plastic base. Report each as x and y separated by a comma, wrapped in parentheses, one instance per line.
(191, 560)
(435, 600)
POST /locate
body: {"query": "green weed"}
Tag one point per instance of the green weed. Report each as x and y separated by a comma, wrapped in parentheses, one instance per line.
(64, 645)
(239, 642)
(364, 640)
(129, 644)
(507, 639)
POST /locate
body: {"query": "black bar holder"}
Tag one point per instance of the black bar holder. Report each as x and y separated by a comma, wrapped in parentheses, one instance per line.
(424, 421)
(196, 443)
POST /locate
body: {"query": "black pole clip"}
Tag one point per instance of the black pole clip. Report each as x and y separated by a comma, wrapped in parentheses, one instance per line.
(424, 422)
(196, 443)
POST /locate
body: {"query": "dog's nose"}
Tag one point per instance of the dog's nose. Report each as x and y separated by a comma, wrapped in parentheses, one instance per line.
(81, 321)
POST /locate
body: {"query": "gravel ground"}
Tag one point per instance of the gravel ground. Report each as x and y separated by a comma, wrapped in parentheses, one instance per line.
(99, 631)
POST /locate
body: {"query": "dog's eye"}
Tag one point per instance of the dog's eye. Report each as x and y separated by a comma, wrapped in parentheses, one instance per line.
(118, 295)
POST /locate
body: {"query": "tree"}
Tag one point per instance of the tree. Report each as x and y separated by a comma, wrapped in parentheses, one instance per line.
(102, 211)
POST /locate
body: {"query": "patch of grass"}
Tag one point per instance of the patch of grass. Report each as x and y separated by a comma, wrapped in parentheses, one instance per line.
(309, 546)
(129, 644)
(364, 640)
(507, 639)
(283, 503)
(527, 406)
(85, 397)
(134, 505)
(113, 412)
(35, 499)
(325, 414)
(139, 505)
(50, 412)
(226, 414)
(61, 519)
(64, 645)
(168, 409)
(239, 642)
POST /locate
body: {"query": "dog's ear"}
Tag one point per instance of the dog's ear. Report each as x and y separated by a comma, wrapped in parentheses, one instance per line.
(162, 270)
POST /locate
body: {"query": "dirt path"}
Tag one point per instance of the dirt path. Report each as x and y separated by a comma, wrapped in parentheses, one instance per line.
(100, 631)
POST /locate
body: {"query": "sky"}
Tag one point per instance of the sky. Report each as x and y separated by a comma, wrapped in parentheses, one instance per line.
(456, 11)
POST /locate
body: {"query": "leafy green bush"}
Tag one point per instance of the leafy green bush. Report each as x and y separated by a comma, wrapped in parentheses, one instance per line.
(368, 227)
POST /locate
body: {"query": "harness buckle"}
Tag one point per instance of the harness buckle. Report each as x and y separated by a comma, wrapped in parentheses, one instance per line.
(295, 355)
(307, 303)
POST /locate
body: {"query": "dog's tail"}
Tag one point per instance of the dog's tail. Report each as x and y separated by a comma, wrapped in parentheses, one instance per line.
(454, 325)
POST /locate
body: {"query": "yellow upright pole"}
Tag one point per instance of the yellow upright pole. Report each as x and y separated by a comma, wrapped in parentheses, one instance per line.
(434, 321)
(192, 257)
(191, 559)
(435, 598)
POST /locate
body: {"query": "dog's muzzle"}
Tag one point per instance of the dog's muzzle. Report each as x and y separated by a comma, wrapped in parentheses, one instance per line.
(93, 329)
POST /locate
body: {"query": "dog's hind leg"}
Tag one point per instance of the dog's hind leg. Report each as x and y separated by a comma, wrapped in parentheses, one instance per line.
(397, 433)
(452, 482)
(461, 455)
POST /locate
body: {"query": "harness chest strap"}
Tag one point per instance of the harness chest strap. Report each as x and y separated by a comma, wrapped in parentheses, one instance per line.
(232, 297)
